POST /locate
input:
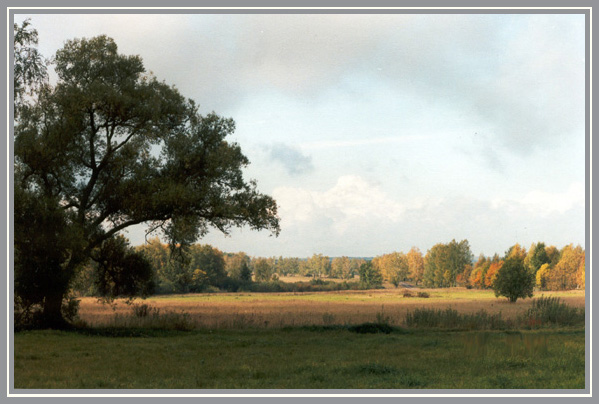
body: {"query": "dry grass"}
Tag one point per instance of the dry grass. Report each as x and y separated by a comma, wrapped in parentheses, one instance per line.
(299, 278)
(241, 310)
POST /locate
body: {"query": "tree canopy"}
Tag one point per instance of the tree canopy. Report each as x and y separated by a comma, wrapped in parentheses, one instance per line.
(107, 147)
(513, 280)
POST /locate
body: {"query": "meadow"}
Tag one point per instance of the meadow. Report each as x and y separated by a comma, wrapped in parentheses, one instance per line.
(276, 310)
(299, 358)
(373, 339)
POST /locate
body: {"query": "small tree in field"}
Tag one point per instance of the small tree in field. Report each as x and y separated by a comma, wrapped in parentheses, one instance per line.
(370, 276)
(513, 280)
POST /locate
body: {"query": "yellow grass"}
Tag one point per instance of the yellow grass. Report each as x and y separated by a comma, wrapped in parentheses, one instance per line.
(299, 278)
(238, 310)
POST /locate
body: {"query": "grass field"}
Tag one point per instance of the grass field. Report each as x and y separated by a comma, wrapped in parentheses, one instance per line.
(243, 310)
(303, 341)
(301, 359)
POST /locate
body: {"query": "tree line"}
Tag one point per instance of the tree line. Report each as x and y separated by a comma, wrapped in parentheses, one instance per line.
(200, 268)
(451, 264)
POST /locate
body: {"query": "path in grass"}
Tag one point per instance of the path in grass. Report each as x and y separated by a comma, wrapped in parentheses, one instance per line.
(241, 310)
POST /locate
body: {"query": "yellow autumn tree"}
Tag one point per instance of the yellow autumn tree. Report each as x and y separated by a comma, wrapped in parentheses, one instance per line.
(394, 267)
(564, 275)
(542, 275)
(416, 265)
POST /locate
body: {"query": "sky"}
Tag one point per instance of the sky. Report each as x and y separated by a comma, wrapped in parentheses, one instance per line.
(376, 133)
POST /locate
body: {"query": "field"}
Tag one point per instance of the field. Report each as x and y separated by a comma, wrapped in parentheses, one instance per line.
(300, 341)
(299, 358)
(242, 310)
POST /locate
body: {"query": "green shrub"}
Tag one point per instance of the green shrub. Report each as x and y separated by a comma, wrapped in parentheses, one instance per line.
(423, 294)
(210, 289)
(371, 328)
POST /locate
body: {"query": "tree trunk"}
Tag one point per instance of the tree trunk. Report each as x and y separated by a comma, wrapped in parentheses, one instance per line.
(52, 313)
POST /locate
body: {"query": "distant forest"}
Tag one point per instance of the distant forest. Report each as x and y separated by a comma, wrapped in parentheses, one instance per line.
(203, 268)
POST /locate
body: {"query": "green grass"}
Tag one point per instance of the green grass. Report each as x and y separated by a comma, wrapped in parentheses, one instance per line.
(299, 358)
(452, 319)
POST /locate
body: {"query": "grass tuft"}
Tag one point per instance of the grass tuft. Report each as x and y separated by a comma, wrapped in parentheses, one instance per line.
(552, 311)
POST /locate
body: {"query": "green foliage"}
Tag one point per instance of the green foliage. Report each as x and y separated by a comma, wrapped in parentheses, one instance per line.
(245, 273)
(29, 68)
(39, 225)
(537, 256)
(444, 262)
(234, 264)
(371, 328)
(370, 276)
(121, 271)
(263, 270)
(513, 280)
(318, 265)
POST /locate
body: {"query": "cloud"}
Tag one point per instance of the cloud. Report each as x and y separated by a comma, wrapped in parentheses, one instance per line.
(351, 199)
(520, 78)
(544, 204)
(335, 144)
(357, 217)
(293, 160)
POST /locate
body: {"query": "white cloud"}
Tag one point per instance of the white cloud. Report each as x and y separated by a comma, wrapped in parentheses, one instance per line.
(351, 199)
(546, 203)
(543, 203)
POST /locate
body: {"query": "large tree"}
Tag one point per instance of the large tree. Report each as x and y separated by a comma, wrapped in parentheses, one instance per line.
(107, 147)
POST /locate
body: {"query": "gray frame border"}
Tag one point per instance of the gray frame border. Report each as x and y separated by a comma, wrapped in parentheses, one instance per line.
(418, 7)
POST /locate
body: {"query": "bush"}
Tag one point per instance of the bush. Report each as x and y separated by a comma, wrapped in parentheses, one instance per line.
(407, 293)
(371, 328)
(423, 294)
(210, 289)
(551, 311)
(513, 280)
